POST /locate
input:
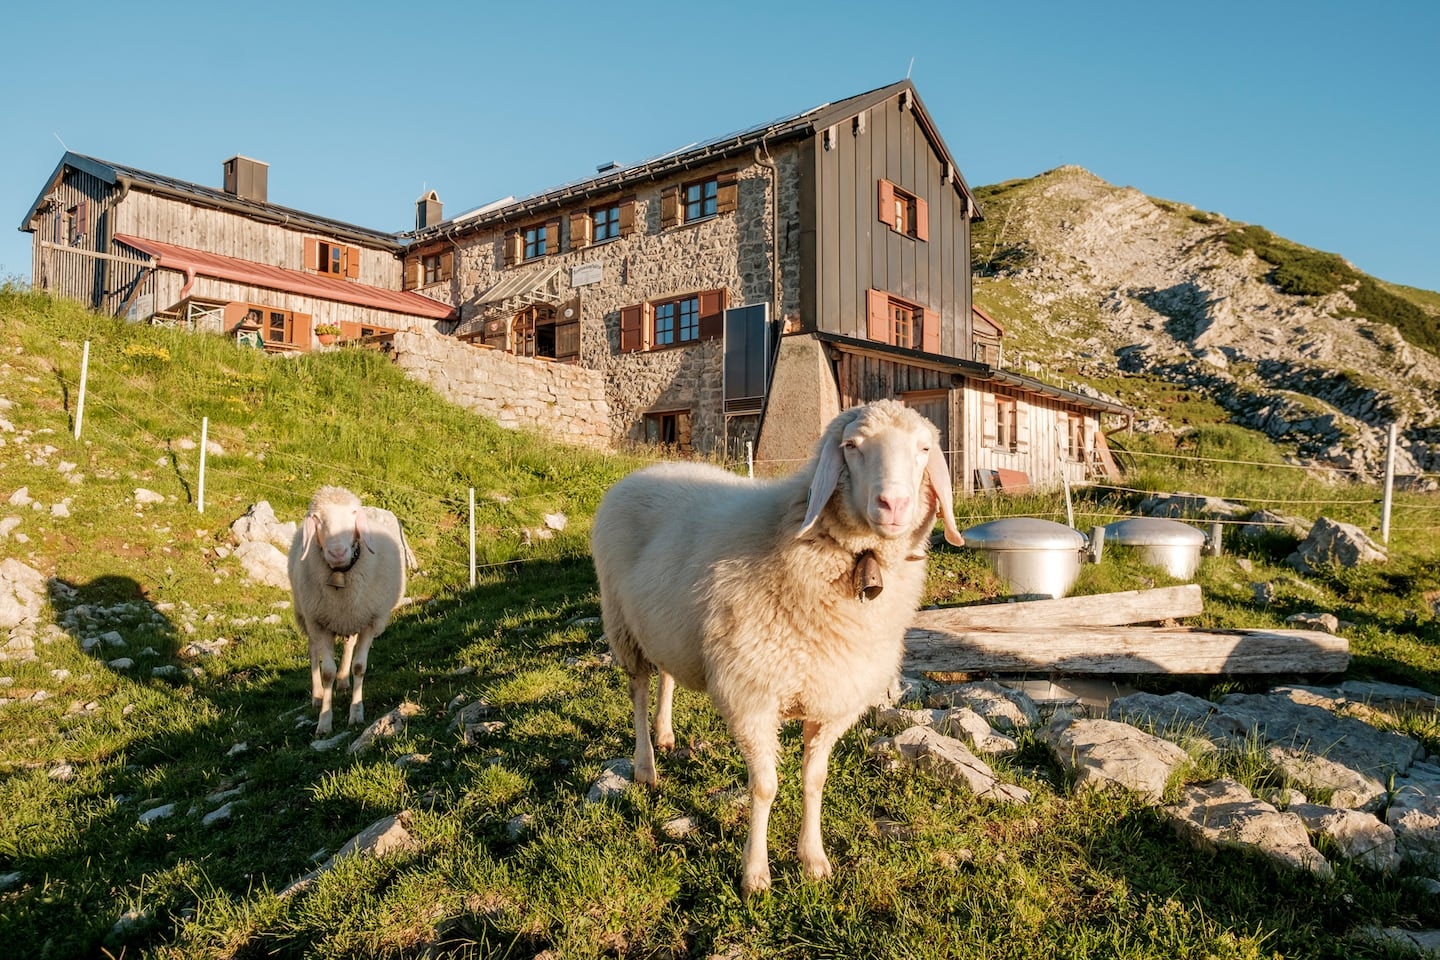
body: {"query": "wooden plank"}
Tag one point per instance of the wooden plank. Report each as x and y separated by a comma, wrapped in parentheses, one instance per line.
(1095, 610)
(1126, 650)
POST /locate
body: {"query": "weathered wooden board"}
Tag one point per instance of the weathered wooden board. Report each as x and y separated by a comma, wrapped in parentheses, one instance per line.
(1091, 650)
(1095, 610)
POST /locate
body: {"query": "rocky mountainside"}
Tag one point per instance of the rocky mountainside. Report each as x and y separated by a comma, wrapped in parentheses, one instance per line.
(1100, 280)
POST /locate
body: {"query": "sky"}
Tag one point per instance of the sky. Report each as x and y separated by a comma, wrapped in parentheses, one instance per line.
(1318, 120)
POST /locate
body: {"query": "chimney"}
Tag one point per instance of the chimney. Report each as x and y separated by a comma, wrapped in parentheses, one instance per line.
(245, 178)
(427, 210)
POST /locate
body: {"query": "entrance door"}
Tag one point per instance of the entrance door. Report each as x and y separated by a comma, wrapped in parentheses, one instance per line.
(934, 405)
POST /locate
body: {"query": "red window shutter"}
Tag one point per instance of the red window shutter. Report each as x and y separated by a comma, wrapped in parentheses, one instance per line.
(632, 320)
(352, 262)
(930, 330)
(447, 265)
(312, 253)
(627, 216)
(712, 314)
(412, 272)
(989, 420)
(886, 203)
(669, 208)
(878, 326)
(922, 219)
(514, 248)
(579, 229)
(727, 191)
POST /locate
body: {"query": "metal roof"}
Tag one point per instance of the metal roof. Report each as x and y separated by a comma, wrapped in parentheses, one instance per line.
(170, 256)
(692, 155)
(114, 173)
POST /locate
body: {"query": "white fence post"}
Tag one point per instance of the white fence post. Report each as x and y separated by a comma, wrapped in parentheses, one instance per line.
(472, 536)
(204, 442)
(1389, 486)
(84, 376)
(750, 459)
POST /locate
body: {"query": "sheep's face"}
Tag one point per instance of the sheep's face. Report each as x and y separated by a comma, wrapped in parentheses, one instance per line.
(340, 532)
(886, 467)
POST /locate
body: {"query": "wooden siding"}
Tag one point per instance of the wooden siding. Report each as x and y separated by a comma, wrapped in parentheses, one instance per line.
(852, 250)
(64, 267)
(1042, 459)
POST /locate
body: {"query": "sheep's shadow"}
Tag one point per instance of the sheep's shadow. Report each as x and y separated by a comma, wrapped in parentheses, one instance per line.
(114, 622)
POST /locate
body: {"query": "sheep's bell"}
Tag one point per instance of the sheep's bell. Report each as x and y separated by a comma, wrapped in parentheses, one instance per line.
(866, 577)
(337, 578)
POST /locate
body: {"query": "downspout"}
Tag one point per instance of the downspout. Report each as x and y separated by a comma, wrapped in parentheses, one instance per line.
(774, 226)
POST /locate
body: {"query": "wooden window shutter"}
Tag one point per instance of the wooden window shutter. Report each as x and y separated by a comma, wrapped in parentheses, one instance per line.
(712, 314)
(82, 218)
(627, 216)
(878, 326)
(580, 229)
(514, 248)
(1022, 426)
(412, 272)
(727, 191)
(669, 208)
(886, 203)
(301, 330)
(352, 262)
(312, 253)
(989, 420)
(632, 332)
(930, 330)
(447, 265)
(922, 219)
(552, 237)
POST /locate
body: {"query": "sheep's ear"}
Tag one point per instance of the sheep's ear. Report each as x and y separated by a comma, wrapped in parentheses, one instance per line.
(363, 531)
(940, 484)
(312, 522)
(822, 485)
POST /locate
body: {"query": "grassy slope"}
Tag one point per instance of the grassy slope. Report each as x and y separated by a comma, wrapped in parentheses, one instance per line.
(923, 869)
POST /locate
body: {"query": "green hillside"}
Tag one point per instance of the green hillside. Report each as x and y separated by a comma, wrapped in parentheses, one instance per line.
(212, 719)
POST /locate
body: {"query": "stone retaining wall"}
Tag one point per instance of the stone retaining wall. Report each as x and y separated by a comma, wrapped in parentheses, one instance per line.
(564, 400)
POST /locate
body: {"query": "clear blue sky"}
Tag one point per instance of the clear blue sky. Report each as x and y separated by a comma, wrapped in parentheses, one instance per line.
(1319, 120)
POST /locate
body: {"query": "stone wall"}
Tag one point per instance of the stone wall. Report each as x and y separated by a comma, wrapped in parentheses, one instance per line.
(730, 251)
(564, 400)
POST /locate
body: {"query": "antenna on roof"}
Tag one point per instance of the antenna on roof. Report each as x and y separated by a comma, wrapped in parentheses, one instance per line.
(909, 68)
(62, 142)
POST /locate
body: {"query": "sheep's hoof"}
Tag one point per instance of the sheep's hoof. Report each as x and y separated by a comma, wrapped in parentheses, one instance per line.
(753, 883)
(357, 714)
(646, 776)
(322, 729)
(816, 868)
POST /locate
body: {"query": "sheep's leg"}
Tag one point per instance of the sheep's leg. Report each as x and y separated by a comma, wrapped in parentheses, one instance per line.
(819, 740)
(664, 700)
(322, 675)
(360, 660)
(644, 751)
(758, 737)
(342, 676)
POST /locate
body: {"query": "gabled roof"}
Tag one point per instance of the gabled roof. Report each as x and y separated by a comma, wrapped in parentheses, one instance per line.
(194, 193)
(805, 124)
(169, 256)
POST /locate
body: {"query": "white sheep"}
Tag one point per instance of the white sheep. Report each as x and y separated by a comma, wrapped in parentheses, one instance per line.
(783, 599)
(346, 587)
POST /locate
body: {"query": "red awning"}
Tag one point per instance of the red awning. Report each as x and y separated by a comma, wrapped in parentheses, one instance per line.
(169, 256)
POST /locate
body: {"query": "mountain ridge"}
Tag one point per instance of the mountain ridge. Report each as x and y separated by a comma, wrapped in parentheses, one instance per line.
(1104, 280)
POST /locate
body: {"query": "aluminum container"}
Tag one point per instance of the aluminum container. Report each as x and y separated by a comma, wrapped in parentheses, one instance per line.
(1032, 556)
(1169, 544)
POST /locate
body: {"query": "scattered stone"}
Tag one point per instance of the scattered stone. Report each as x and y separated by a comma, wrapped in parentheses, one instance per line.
(1267, 523)
(410, 760)
(22, 593)
(259, 524)
(63, 772)
(121, 663)
(331, 743)
(517, 827)
(215, 816)
(164, 670)
(677, 828)
(229, 794)
(556, 521)
(240, 747)
(1414, 815)
(10, 880)
(1327, 622)
(1425, 942)
(1348, 788)
(143, 496)
(157, 813)
(475, 732)
(264, 564)
(390, 725)
(20, 498)
(998, 704)
(204, 648)
(1332, 542)
(1222, 813)
(948, 759)
(959, 721)
(387, 835)
(469, 714)
(615, 778)
(1357, 836)
(129, 921)
(60, 510)
(1104, 752)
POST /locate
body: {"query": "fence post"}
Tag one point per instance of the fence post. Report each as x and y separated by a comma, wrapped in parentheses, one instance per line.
(204, 435)
(472, 536)
(84, 376)
(750, 459)
(1389, 485)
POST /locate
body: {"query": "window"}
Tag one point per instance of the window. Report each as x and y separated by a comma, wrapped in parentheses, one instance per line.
(902, 323)
(675, 322)
(428, 268)
(332, 259)
(532, 332)
(431, 263)
(534, 242)
(76, 222)
(903, 212)
(671, 428)
(699, 200)
(1005, 423)
(606, 223)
